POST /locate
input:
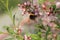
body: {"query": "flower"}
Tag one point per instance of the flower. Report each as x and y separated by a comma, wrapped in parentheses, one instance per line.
(19, 31)
(25, 3)
(58, 4)
(53, 25)
(29, 38)
(25, 37)
(28, 3)
(43, 6)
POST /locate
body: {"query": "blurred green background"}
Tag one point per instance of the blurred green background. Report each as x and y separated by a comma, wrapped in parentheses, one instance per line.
(11, 4)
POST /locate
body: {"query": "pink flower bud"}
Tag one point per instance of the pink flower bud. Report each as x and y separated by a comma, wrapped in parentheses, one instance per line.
(19, 31)
(43, 6)
(58, 4)
(28, 3)
(25, 3)
(25, 37)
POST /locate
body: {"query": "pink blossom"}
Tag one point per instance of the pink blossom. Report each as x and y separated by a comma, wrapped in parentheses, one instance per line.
(52, 24)
(25, 37)
(58, 4)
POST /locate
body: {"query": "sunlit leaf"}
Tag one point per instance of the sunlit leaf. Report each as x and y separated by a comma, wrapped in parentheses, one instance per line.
(35, 37)
(19, 37)
(41, 1)
(1, 32)
(7, 4)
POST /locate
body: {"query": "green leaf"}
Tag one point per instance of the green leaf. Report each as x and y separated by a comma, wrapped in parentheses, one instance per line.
(35, 37)
(5, 27)
(7, 4)
(19, 37)
(40, 26)
(11, 31)
(14, 20)
(39, 33)
(47, 32)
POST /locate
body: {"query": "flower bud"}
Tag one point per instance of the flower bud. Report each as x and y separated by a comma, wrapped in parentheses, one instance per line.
(58, 4)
